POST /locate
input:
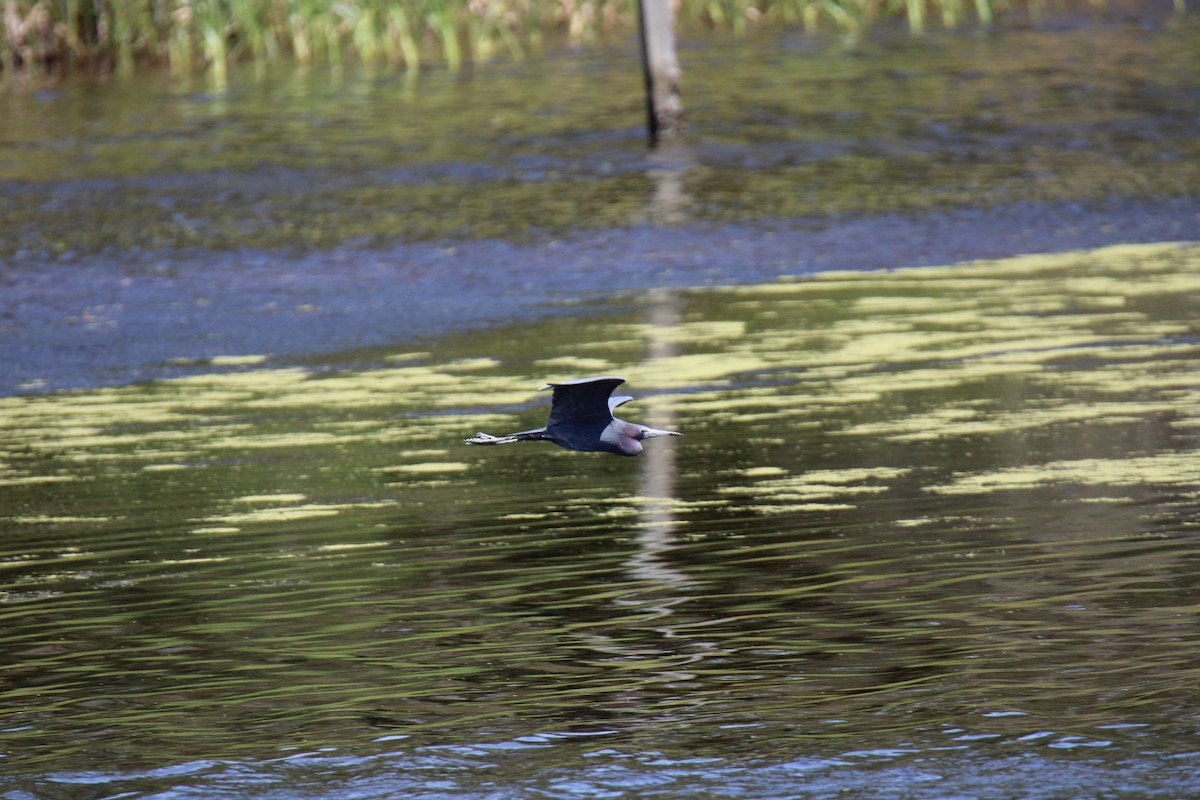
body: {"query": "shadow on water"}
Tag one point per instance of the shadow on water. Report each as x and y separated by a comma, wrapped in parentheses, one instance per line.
(930, 533)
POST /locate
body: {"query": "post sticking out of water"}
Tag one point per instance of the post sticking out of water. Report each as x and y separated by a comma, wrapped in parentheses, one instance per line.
(664, 110)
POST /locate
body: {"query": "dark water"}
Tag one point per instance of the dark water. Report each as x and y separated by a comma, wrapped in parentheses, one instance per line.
(931, 532)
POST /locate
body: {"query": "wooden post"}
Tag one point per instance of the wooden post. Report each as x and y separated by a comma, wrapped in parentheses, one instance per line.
(664, 110)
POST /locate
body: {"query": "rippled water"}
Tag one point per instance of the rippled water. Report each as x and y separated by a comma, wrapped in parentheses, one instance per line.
(930, 533)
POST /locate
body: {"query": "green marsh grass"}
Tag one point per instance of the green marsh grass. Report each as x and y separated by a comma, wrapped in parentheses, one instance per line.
(187, 35)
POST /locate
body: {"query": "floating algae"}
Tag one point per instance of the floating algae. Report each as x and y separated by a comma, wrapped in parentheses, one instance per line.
(896, 491)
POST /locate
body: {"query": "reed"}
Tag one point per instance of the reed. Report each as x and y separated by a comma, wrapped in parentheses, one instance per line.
(210, 34)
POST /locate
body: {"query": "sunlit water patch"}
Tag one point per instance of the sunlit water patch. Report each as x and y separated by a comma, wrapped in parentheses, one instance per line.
(929, 527)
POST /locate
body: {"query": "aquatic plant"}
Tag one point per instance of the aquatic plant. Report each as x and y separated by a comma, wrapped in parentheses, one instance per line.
(190, 34)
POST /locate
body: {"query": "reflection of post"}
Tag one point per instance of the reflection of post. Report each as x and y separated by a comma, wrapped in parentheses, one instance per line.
(665, 585)
(657, 515)
(660, 67)
(658, 472)
(669, 165)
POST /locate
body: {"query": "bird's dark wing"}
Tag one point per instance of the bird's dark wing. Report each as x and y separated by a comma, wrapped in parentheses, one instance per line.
(583, 401)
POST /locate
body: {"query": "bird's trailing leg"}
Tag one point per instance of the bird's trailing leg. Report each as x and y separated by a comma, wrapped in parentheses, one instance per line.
(487, 438)
(519, 436)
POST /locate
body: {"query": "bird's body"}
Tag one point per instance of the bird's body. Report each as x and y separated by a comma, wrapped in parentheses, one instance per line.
(581, 418)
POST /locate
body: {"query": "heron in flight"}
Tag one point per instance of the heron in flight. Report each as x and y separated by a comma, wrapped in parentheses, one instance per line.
(581, 418)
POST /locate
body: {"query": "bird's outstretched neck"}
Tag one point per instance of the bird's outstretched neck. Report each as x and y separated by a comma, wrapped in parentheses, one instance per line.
(520, 436)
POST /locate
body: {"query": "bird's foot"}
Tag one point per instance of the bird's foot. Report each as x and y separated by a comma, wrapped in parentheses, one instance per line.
(487, 438)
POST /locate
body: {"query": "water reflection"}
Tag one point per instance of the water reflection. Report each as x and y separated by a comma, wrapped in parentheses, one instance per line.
(923, 520)
(657, 496)
(661, 586)
(672, 163)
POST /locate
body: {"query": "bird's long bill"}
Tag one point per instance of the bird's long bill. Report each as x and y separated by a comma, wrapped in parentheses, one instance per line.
(650, 433)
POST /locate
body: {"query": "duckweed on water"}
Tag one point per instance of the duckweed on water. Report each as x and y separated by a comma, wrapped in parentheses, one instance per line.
(911, 502)
(929, 355)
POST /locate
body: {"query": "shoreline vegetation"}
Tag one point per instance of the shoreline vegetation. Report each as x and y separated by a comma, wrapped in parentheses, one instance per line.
(51, 36)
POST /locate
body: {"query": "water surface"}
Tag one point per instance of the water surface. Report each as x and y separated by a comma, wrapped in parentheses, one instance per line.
(147, 225)
(930, 533)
